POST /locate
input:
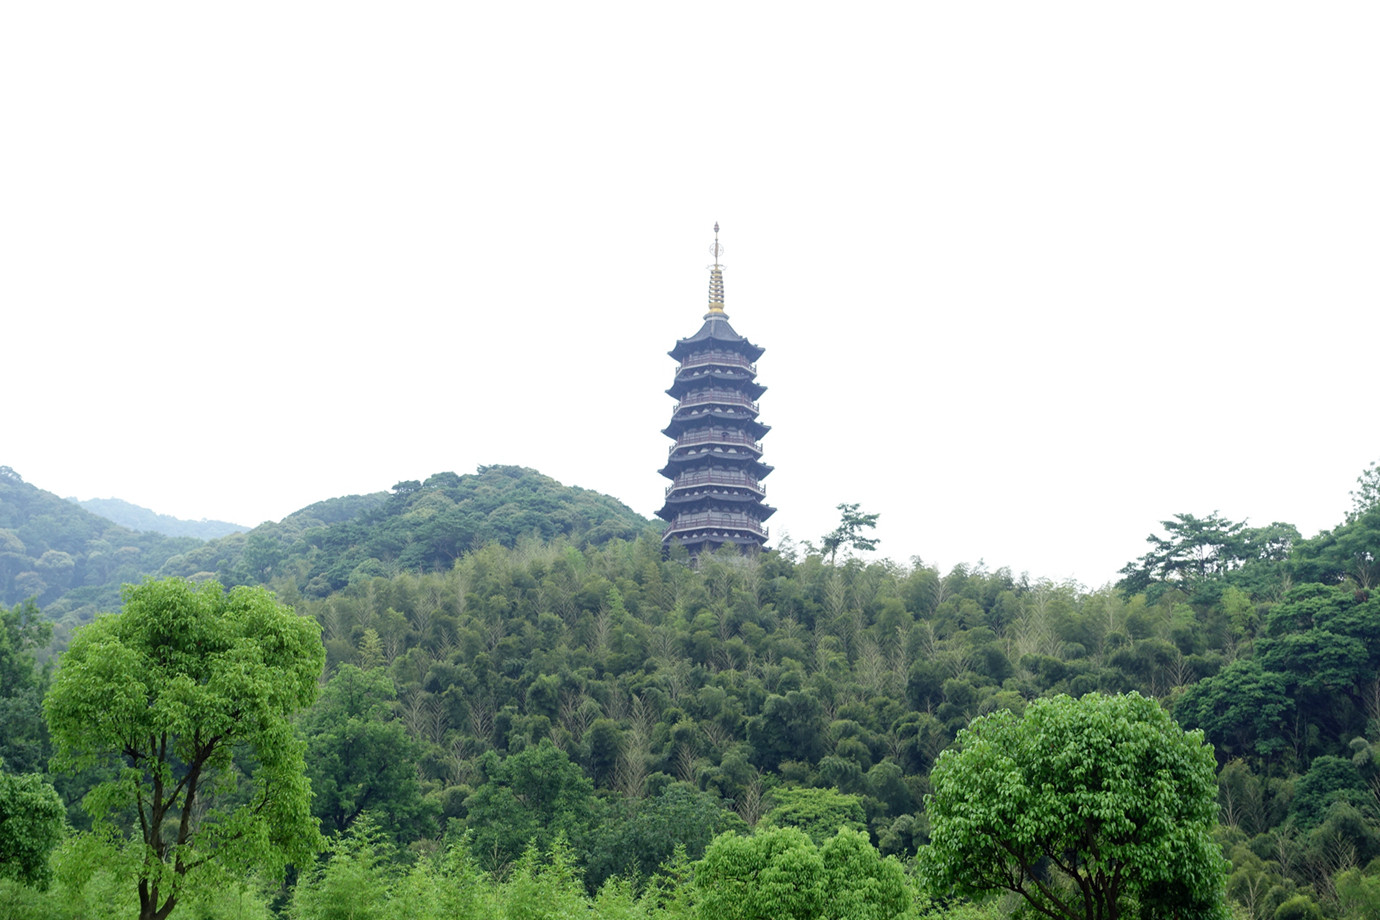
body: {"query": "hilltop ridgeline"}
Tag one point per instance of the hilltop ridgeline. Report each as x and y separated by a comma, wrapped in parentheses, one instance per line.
(137, 517)
(72, 562)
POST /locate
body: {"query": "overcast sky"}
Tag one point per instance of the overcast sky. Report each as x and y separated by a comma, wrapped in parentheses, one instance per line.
(1030, 277)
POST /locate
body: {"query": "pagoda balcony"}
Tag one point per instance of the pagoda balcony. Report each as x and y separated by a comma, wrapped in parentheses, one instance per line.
(691, 438)
(716, 519)
(717, 478)
(716, 397)
(731, 358)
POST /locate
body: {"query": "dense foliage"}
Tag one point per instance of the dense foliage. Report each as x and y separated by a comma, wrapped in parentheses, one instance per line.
(577, 690)
(72, 562)
(175, 688)
(67, 559)
(1088, 809)
(420, 526)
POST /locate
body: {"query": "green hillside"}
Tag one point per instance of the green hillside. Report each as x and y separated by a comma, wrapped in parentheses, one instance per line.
(417, 527)
(65, 557)
(72, 562)
(511, 663)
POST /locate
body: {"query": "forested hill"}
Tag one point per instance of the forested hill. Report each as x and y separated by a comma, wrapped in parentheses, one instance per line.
(512, 662)
(72, 562)
(136, 517)
(418, 527)
(67, 558)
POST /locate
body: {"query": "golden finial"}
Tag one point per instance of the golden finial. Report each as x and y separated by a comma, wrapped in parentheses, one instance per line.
(716, 277)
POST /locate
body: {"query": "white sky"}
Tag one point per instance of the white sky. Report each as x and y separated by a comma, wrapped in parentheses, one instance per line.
(1031, 277)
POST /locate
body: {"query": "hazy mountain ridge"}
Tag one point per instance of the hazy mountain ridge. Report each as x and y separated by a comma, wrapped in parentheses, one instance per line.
(67, 558)
(137, 517)
(73, 561)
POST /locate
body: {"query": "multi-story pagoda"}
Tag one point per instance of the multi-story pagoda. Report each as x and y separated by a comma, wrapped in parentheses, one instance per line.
(716, 470)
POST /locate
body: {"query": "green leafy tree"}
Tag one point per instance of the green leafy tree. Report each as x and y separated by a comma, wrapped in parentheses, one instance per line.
(790, 727)
(859, 883)
(779, 874)
(1100, 807)
(638, 844)
(31, 823)
(1358, 894)
(360, 758)
(773, 875)
(1347, 553)
(181, 686)
(1367, 492)
(545, 885)
(23, 736)
(820, 813)
(1243, 709)
(852, 523)
(353, 883)
(536, 795)
(1328, 780)
(1193, 550)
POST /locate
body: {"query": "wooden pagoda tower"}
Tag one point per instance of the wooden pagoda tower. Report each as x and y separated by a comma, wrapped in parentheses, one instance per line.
(716, 494)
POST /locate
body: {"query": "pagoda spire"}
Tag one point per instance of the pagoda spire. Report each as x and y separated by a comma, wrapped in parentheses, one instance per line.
(716, 279)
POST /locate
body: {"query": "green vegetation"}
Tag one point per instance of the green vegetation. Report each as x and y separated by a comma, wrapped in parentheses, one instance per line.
(69, 561)
(1087, 809)
(175, 688)
(518, 718)
(849, 533)
(31, 819)
(72, 562)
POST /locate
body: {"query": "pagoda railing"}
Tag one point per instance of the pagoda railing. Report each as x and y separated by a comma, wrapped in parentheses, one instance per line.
(691, 438)
(730, 358)
(717, 519)
(707, 397)
(716, 478)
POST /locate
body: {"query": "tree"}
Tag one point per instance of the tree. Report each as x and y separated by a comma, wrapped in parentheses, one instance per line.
(637, 845)
(354, 884)
(1100, 807)
(31, 822)
(1243, 709)
(773, 875)
(789, 727)
(534, 796)
(820, 813)
(358, 758)
(184, 688)
(858, 883)
(1367, 493)
(23, 736)
(1349, 552)
(849, 532)
(1194, 550)
(779, 874)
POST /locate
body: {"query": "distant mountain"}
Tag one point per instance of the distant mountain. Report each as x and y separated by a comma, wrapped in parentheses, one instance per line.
(136, 517)
(72, 562)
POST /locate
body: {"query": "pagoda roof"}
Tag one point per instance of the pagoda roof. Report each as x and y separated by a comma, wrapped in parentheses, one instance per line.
(711, 376)
(682, 423)
(677, 463)
(716, 330)
(677, 503)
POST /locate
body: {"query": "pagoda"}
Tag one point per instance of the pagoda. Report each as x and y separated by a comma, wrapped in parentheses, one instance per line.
(715, 466)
